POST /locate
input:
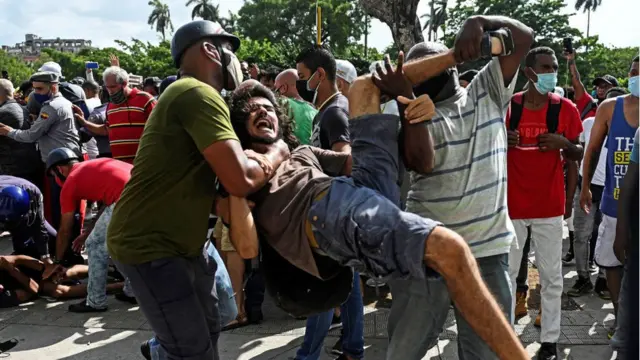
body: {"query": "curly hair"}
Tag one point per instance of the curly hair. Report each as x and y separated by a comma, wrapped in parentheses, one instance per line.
(239, 108)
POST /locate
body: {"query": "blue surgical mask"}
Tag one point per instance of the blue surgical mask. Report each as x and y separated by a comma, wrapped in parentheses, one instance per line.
(546, 82)
(634, 86)
(41, 98)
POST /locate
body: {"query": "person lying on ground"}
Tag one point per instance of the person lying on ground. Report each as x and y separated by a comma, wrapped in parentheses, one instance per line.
(21, 280)
(345, 207)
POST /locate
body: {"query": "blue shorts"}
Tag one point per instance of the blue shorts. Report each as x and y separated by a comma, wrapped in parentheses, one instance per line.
(358, 222)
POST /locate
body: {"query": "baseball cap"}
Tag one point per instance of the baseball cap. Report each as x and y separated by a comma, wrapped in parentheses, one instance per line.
(45, 76)
(611, 80)
(346, 71)
(52, 67)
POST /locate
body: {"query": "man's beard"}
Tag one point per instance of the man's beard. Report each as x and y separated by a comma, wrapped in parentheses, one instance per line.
(266, 140)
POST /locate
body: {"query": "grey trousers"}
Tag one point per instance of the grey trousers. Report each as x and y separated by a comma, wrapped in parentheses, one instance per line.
(178, 297)
(583, 224)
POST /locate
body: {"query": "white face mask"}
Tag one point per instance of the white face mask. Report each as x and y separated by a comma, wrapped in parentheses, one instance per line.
(234, 69)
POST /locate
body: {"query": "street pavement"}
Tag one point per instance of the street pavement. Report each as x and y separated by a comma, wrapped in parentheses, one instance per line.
(46, 330)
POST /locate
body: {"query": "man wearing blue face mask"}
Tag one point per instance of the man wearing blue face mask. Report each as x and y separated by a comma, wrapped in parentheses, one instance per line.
(616, 123)
(542, 134)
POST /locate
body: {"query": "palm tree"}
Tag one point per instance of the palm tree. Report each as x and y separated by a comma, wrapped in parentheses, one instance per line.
(161, 17)
(436, 18)
(205, 10)
(588, 6)
(229, 23)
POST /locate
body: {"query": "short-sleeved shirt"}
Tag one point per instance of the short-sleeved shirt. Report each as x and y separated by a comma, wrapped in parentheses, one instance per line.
(599, 175)
(536, 179)
(634, 150)
(94, 180)
(283, 204)
(164, 209)
(582, 104)
(466, 190)
(302, 113)
(331, 124)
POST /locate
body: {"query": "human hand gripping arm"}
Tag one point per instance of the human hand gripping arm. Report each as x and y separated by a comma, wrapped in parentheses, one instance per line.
(95, 129)
(417, 149)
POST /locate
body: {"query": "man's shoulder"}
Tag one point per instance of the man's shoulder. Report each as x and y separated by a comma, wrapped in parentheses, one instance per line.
(191, 90)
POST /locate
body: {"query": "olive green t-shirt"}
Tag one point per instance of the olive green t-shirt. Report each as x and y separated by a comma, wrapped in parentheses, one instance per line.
(164, 209)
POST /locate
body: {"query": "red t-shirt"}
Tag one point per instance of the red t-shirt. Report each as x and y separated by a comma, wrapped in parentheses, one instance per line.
(535, 181)
(581, 104)
(126, 123)
(94, 180)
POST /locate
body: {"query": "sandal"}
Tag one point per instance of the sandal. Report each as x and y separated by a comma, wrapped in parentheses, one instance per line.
(240, 321)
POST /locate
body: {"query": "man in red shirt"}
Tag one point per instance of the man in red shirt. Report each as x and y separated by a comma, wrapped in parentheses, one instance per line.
(542, 131)
(127, 113)
(99, 180)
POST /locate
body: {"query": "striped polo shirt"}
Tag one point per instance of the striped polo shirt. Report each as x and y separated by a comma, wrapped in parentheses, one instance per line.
(126, 123)
(467, 190)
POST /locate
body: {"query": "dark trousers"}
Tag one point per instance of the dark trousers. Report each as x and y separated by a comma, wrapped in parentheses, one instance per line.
(523, 274)
(178, 297)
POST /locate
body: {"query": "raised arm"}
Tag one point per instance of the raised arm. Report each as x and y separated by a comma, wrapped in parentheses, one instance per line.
(471, 34)
(577, 84)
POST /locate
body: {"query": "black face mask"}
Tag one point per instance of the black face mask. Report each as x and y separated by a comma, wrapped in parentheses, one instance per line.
(306, 95)
(434, 86)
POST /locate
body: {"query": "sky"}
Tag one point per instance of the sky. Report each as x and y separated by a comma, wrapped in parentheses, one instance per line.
(103, 21)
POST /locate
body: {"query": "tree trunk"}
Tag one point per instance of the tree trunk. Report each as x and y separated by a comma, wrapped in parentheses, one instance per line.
(588, 26)
(366, 36)
(400, 16)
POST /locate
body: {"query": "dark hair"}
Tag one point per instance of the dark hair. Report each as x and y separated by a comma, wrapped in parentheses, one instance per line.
(636, 59)
(238, 108)
(91, 85)
(270, 73)
(104, 94)
(531, 59)
(25, 87)
(318, 57)
(615, 90)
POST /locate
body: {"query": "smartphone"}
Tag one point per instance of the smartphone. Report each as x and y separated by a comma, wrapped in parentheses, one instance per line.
(568, 45)
(91, 65)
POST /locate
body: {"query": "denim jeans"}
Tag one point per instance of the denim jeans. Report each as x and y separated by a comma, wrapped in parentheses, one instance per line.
(584, 229)
(420, 307)
(178, 297)
(621, 336)
(99, 262)
(358, 222)
(352, 315)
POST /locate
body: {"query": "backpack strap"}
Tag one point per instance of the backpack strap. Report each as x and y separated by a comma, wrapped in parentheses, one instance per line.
(553, 113)
(517, 102)
(590, 106)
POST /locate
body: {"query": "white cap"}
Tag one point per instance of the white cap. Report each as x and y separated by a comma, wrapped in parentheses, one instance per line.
(346, 71)
(51, 66)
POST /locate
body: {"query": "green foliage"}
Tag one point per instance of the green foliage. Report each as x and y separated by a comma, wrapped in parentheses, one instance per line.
(292, 22)
(586, 5)
(18, 70)
(204, 9)
(601, 60)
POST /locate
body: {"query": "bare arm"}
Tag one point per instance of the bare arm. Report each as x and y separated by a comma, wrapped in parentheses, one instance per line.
(239, 175)
(416, 142)
(522, 40)
(64, 234)
(577, 84)
(598, 134)
(95, 129)
(341, 146)
(572, 184)
(27, 283)
(573, 151)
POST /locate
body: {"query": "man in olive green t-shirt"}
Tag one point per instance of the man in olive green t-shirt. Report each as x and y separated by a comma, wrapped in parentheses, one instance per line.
(159, 226)
(300, 111)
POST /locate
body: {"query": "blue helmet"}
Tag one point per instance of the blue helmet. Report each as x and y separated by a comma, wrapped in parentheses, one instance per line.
(14, 203)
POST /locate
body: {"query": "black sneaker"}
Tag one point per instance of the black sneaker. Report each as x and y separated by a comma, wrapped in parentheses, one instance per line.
(336, 322)
(567, 258)
(124, 298)
(601, 289)
(145, 350)
(548, 351)
(82, 307)
(582, 287)
(337, 347)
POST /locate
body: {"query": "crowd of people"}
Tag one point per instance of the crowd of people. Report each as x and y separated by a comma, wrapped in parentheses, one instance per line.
(439, 189)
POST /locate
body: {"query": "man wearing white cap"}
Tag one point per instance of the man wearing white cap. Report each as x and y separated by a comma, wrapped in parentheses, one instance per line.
(345, 74)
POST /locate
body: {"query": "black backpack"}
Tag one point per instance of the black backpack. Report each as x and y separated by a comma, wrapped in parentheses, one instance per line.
(553, 112)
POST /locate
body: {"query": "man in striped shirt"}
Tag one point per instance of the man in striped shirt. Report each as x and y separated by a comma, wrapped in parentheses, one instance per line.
(466, 190)
(127, 113)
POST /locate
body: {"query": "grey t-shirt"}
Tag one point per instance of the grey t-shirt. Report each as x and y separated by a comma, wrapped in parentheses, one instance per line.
(467, 190)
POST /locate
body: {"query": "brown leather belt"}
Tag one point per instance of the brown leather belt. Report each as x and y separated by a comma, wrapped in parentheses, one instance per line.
(308, 226)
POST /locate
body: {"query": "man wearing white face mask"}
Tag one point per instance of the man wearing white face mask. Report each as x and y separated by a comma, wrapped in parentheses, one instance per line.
(542, 133)
(317, 85)
(157, 233)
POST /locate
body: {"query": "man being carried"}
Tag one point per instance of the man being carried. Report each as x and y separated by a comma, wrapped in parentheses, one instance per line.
(344, 208)
(99, 180)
